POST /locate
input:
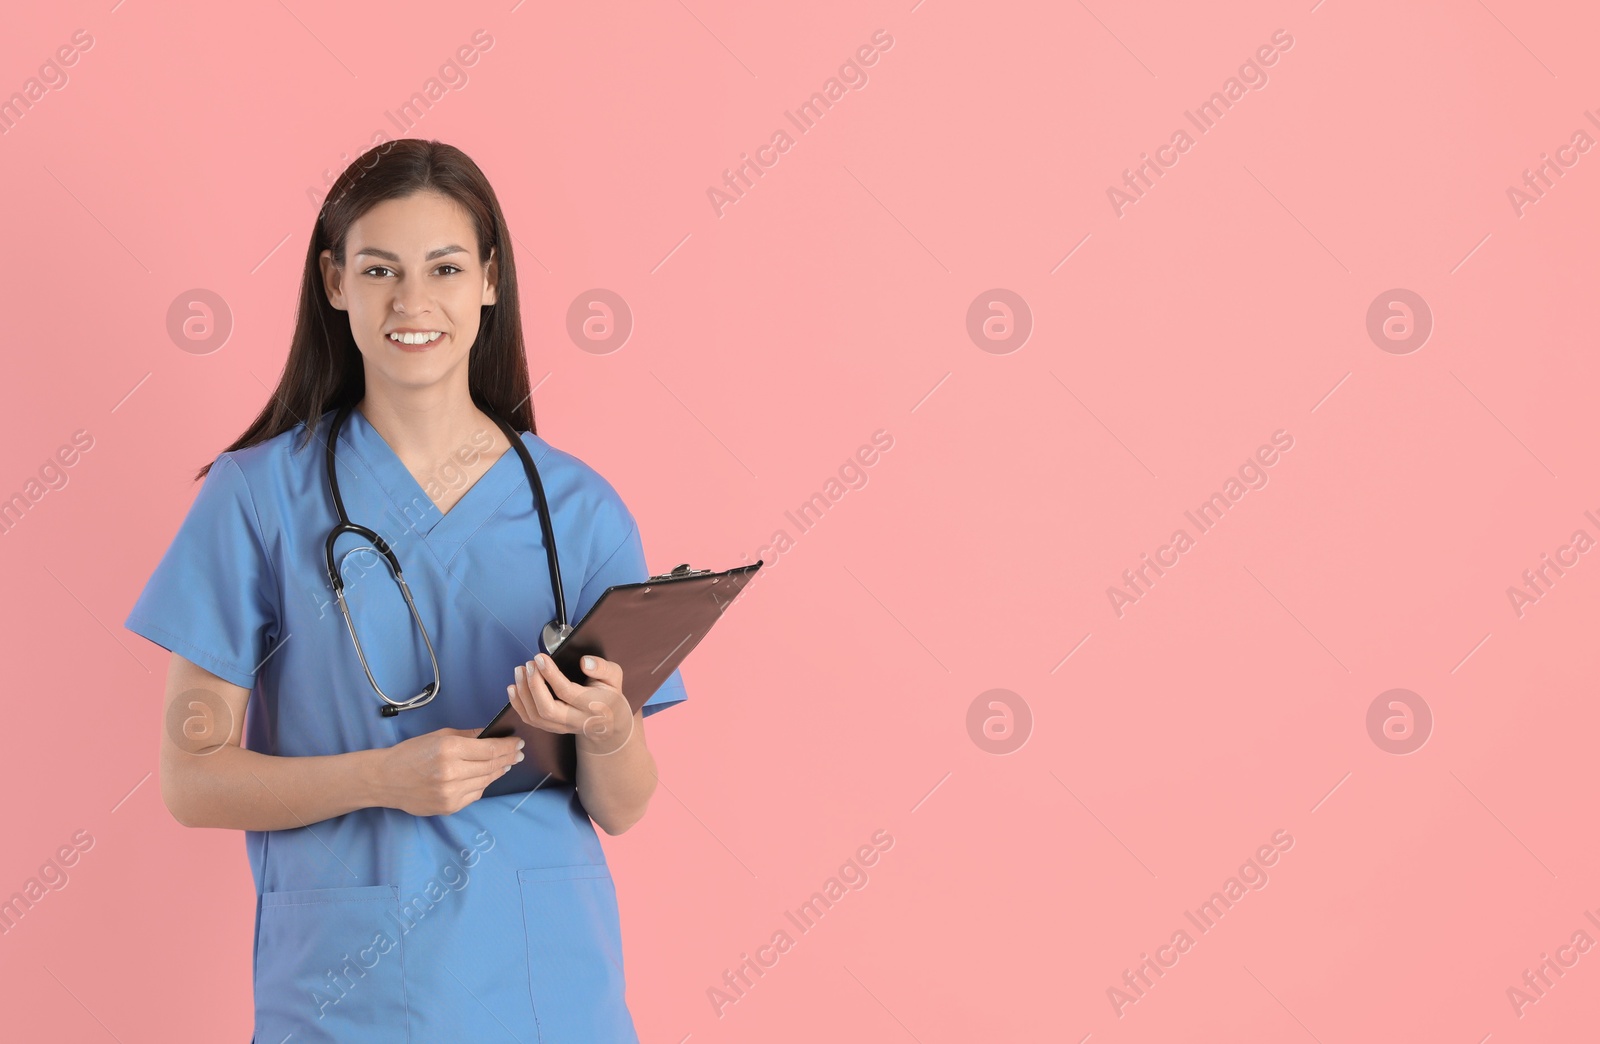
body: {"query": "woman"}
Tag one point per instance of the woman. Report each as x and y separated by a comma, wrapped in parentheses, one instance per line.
(394, 902)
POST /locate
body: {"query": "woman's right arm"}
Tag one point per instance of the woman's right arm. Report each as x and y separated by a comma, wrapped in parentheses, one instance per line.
(209, 780)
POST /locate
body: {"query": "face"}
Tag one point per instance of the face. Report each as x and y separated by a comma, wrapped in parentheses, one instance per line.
(411, 265)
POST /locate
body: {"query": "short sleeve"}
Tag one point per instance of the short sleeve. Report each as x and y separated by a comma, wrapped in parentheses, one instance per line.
(212, 598)
(626, 566)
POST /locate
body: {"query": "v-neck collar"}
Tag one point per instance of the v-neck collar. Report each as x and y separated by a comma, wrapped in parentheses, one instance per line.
(411, 500)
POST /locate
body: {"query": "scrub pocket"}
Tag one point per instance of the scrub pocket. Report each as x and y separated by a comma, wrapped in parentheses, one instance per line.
(329, 965)
(575, 954)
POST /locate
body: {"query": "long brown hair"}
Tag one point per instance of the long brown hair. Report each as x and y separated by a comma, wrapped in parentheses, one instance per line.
(323, 371)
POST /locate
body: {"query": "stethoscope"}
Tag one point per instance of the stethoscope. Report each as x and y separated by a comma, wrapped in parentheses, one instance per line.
(553, 634)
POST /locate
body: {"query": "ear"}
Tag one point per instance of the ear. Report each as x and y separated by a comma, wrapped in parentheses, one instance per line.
(491, 279)
(332, 280)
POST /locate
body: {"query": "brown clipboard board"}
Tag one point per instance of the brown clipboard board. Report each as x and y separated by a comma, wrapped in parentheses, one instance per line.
(647, 628)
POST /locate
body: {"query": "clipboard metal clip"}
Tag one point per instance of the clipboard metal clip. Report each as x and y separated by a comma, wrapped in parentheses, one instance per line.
(679, 572)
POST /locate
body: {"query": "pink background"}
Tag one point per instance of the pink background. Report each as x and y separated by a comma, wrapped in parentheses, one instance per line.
(1229, 303)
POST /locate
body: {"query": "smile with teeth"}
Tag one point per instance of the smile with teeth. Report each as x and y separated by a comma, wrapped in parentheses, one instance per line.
(415, 338)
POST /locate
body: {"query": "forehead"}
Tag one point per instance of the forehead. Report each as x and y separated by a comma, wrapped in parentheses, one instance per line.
(427, 223)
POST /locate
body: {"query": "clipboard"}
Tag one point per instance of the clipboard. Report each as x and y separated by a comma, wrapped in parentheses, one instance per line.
(648, 628)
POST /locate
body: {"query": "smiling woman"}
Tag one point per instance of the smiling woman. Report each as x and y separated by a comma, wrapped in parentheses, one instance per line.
(416, 319)
(349, 784)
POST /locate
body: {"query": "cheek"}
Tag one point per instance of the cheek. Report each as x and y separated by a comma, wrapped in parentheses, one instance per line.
(368, 318)
(465, 324)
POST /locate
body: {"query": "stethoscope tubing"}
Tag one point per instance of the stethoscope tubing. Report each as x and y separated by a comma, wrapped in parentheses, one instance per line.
(550, 637)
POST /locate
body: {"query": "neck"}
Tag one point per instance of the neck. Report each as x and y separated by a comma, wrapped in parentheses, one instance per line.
(426, 424)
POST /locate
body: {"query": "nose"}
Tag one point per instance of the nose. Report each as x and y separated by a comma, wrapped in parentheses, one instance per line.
(411, 297)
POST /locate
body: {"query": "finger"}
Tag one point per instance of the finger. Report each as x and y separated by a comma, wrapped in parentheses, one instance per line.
(514, 698)
(482, 773)
(523, 705)
(563, 688)
(606, 672)
(532, 712)
(538, 677)
(486, 749)
(547, 713)
(525, 701)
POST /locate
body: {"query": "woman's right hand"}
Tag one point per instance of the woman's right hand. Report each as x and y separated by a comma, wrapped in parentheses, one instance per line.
(443, 771)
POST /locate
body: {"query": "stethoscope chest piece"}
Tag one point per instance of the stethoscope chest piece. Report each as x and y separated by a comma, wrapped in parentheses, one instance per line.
(553, 635)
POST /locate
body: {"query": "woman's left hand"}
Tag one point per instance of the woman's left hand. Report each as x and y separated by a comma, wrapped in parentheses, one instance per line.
(597, 713)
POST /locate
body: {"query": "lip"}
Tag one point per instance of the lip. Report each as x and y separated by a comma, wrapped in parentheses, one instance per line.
(416, 348)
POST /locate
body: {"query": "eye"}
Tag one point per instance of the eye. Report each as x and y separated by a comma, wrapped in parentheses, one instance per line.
(453, 269)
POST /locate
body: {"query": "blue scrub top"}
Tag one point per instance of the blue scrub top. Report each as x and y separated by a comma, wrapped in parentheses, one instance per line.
(498, 921)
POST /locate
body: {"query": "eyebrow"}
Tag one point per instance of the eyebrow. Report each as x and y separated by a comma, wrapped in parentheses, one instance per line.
(389, 256)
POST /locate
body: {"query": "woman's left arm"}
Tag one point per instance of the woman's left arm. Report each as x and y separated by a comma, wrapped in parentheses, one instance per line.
(616, 772)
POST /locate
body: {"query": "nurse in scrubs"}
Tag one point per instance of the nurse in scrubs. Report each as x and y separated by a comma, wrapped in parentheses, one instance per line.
(394, 902)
